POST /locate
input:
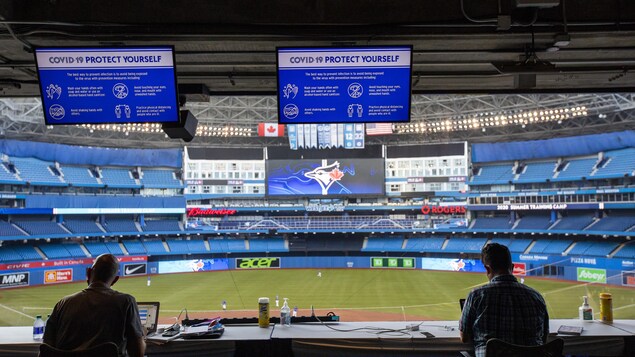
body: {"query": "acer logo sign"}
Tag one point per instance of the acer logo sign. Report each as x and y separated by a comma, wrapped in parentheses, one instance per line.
(427, 209)
(203, 212)
(15, 279)
(257, 263)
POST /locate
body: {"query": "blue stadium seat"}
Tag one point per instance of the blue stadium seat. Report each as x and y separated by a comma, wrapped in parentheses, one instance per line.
(80, 176)
(27, 252)
(118, 178)
(534, 222)
(114, 248)
(627, 251)
(432, 245)
(134, 247)
(120, 225)
(39, 227)
(619, 163)
(493, 175)
(8, 230)
(573, 222)
(37, 172)
(547, 246)
(618, 222)
(383, 244)
(576, 169)
(75, 250)
(492, 223)
(160, 179)
(7, 177)
(96, 248)
(154, 247)
(161, 225)
(54, 251)
(267, 245)
(537, 172)
(218, 245)
(86, 225)
(8, 254)
(178, 246)
(465, 245)
(196, 246)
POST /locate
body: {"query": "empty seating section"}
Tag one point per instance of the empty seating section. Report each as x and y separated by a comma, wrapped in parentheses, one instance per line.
(600, 249)
(383, 244)
(575, 170)
(7, 177)
(178, 246)
(96, 248)
(114, 248)
(614, 223)
(236, 245)
(574, 222)
(120, 225)
(492, 223)
(620, 163)
(547, 246)
(27, 252)
(627, 251)
(197, 246)
(54, 251)
(134, 247)
(7, 254)
(160, 179)
(218, 245)
(267, 245)
(317, 243)
(79, 176)
(76, 225)
(40, 227)
(494, 175)
(36, 172)
(534, 222)
(161, 225)
(75, 250)
(465, 245)
(8, 230)
(154, 246)
(519, 245)
(118, 178)
(537, 172)
(425, 244)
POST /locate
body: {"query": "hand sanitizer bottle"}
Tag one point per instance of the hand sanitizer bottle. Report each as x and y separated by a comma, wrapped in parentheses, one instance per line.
(285, 314)
(586, 312)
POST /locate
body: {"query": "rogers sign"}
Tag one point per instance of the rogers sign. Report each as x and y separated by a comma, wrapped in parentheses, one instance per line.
(427, 209)
(203, 212)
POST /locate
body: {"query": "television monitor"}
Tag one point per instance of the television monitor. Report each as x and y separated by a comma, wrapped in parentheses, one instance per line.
(344, 85)
(325, 178)
(98, 85)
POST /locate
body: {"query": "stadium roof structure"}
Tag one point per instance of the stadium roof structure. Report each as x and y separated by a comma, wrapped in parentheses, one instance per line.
(472, 59)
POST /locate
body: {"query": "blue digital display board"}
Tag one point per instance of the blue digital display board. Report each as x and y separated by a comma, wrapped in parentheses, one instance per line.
(325, 178)
(108, 85)
(344, 85)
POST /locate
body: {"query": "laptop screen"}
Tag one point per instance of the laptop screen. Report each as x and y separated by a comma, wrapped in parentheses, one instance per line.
(149, 315)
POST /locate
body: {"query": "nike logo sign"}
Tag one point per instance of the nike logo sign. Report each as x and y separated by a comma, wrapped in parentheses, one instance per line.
(131, 271)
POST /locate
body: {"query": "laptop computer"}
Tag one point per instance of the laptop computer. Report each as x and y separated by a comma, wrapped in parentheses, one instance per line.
(149, 315)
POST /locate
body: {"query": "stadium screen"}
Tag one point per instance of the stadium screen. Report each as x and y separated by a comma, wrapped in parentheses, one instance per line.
(344, 85)
(108, 85)
(325, 178)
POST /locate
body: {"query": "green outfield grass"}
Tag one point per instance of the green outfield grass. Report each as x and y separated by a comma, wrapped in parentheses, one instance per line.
(415, 294)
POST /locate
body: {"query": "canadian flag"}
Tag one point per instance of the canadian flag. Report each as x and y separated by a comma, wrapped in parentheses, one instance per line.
(270, 129)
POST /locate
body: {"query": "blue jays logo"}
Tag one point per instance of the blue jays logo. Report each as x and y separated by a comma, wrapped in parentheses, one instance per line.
(326, 176)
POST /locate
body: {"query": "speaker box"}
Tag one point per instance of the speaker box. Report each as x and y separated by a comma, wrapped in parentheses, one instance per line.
(185, 129)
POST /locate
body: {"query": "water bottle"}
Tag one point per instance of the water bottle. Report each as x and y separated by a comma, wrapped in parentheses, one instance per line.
(285, 314)
(38, 328)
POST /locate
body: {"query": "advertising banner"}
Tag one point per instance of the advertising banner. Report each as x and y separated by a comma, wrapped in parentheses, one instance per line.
(592, 275)
(135, 269)
(257, 263)
(399, 263)
(182, 266)
(448, 264)
(14, 279)
(520, 269)
(58, 276)
(628, 278)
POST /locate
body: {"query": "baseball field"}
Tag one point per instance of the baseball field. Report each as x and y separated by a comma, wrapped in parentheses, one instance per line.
(354, 294)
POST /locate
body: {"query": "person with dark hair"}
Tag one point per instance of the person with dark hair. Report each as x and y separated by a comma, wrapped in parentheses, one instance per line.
(97, 314)
(503, 308)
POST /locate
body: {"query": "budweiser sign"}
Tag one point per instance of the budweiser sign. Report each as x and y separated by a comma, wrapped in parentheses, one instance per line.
(427, 209)
(203, 212)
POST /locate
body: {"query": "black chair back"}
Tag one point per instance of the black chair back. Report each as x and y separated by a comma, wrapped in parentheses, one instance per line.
(107, 349)
(500, 348)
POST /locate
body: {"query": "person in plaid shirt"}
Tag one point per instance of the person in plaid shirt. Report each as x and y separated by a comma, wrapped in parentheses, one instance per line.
(503, 308)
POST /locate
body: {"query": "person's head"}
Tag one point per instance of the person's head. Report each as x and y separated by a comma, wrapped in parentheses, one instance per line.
(104, 270)
(497, 260)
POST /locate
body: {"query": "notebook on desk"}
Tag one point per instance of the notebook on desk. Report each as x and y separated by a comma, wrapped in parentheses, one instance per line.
(149, 315)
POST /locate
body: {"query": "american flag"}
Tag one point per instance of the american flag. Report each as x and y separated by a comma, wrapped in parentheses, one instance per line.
(378, 128)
